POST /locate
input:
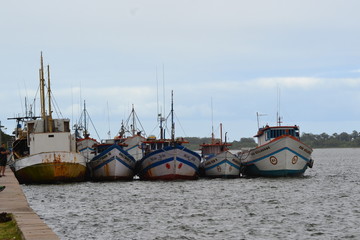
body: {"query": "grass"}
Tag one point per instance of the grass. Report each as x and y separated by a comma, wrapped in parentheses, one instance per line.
(9, 229)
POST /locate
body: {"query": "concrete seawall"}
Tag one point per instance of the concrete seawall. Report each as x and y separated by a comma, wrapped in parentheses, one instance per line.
(13, 200)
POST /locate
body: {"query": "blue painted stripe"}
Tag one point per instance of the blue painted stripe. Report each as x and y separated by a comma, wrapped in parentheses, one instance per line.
(190, 164)
(223, 162)
(254, 171)
(113, 159)
(111, 148)
(169, 148)
(272, 153)
(81, 150)
(131, 148)
(157, 164)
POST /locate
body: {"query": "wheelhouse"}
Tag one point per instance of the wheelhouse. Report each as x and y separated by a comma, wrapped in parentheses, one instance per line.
(267, 133)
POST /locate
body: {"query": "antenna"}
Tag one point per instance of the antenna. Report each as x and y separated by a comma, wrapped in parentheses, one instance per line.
(278, 117)
(212, 123)
(157, 91)
(258, 115)
(109, 133)
(164, 89)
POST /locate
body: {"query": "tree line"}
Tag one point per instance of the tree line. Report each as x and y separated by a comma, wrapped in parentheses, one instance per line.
(323, 140)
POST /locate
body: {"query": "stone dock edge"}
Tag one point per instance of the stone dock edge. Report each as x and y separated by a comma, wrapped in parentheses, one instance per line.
(13, 200)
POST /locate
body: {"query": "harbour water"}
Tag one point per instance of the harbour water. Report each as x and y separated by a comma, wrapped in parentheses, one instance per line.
(324, 204)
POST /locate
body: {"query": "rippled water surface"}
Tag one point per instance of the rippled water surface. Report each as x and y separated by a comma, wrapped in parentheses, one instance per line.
(324, 204)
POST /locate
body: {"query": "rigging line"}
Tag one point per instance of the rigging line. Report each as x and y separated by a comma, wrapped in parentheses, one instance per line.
(180, 125)
(154, 129)
(157, 91)
(140, 123)
(57, 108)
(97, 134)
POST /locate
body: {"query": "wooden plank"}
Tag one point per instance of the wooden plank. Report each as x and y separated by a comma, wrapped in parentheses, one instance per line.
(13, 201)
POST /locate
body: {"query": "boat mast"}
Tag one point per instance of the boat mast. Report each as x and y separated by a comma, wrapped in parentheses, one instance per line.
(172, 117)
(220, 133)
(133, 121)
(49, 99)
(85, 126)
(278, 117)
(42, 86)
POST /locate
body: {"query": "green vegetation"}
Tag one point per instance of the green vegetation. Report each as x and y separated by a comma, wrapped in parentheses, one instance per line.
(194, 143)
(9, 228)
(5, 138)
(323, 140)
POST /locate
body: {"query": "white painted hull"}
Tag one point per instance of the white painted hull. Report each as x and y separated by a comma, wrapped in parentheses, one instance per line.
(112, 164)
(86, 148)
(170, 163)
(133, 146)
(222, 165)
(49, 167)
(284, 156)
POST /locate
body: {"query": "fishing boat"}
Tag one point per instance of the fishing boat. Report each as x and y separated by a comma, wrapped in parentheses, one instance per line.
(111, 162)
(115, 159)
(85, 144)
(132, 134)
(45, 150)
(167, 159)
(279, 153)
(218, 161)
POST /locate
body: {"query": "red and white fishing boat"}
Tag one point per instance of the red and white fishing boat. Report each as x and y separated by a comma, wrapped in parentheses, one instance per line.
(167, 159)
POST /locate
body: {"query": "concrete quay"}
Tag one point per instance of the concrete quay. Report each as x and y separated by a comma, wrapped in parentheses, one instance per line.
(13, 200)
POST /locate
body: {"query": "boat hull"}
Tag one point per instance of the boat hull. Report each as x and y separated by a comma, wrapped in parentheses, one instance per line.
(169, 163)
(112, 164)
(85, 146)
(284, 156)
(222, 165)
(51, 167)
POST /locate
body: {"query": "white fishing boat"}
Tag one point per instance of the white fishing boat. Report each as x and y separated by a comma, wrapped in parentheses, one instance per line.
(279, 153)
(218, 161)
(167, 159)
(132, 135)
(45, 150)
(111, 162)
(85, 144)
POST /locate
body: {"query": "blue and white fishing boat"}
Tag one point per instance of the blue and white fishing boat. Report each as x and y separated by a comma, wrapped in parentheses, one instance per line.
(84, 143)
(167, 159)
(279, 153)
(218, 161)
(132, 134)
(111, 162)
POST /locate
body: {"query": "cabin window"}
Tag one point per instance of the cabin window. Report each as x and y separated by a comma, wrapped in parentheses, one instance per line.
(159, 146)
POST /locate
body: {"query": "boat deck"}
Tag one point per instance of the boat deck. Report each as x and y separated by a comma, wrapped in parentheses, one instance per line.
(13, 200)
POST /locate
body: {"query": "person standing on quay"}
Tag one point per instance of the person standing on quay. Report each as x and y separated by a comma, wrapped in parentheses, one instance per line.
(3, 159)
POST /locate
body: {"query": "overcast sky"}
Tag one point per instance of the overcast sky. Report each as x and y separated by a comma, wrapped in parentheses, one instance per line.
(233, 53)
